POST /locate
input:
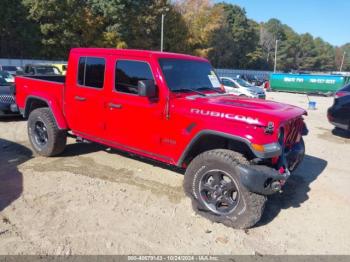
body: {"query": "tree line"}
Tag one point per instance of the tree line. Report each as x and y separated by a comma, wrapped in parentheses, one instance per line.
(220, 32)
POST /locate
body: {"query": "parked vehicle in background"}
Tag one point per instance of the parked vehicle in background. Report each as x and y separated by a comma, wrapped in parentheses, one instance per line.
(339, 112)
(252, 79)
(41, 69)
(7, 94)
(10, 69)
(240, 87)
(62, 67)
(170, 108)
(307, 83)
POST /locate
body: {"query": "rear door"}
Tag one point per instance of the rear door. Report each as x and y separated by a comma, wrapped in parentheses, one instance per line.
(133, 121)
(84, 106)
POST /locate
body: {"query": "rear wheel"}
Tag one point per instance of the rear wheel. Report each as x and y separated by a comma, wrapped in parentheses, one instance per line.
(45, 136)
(213, 183)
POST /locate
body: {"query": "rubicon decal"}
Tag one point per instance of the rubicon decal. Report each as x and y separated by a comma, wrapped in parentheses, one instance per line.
(249, 120)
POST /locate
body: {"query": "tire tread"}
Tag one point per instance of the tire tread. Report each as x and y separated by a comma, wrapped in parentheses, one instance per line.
(255, 202)
(59, 136)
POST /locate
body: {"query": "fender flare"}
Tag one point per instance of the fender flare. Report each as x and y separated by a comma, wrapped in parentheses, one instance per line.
(54, 108)
(210, 132)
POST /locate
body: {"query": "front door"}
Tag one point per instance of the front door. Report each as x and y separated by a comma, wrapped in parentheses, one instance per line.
(134, 122)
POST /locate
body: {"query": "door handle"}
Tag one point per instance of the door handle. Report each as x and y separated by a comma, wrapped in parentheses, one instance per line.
(116, 106)
(80, 98)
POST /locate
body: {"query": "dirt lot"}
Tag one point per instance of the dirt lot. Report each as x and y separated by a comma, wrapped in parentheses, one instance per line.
(92, 200)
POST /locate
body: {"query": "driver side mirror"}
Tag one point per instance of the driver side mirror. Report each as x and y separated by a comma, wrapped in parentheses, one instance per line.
(147, 88)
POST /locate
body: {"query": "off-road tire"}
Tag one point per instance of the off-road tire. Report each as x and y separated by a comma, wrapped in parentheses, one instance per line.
(56, 138)
(250, 205)
(301, 159)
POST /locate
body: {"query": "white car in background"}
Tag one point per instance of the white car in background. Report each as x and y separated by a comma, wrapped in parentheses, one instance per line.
(240, 87)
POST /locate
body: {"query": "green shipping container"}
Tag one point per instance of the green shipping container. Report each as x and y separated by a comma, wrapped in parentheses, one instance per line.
(307, 83)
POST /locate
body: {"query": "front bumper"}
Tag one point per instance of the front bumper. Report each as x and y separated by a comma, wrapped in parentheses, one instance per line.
(261, 96)
(262, 180)
(266, 180)
(333, 118)
(8, 104)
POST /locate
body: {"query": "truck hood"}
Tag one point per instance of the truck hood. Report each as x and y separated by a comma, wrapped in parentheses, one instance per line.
(250, 110)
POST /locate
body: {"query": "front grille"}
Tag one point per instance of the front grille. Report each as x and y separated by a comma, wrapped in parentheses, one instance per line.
(292, 130)
(7, 99)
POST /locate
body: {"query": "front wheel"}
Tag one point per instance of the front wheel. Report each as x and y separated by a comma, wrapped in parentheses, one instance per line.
(44, 135)
(296, 156)
(213, 184)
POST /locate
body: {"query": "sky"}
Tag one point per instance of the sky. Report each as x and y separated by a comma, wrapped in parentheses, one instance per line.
(328, 19)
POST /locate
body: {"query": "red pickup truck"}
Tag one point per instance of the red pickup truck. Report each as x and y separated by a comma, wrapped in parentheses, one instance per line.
(171, 108)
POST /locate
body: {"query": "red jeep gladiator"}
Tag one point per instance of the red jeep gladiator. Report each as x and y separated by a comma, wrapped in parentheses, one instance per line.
(170, 108)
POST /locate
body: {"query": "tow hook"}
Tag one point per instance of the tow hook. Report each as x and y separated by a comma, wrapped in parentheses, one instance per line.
(276, 186)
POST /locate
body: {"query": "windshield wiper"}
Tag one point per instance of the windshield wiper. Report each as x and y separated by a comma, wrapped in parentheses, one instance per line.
(189, 89)
(211, 88)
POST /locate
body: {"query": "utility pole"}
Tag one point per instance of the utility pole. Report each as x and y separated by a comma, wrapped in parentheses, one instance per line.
(275, 66)
(165, 9)
(162, 33)
(342, 62)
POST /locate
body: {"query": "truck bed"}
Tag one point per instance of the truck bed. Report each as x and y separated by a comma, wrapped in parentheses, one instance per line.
(48, 88)
(53, 78)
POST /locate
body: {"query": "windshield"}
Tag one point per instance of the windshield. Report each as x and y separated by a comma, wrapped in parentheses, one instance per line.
(6, 78)
(243, 83)
(47, 70)
(188, 74)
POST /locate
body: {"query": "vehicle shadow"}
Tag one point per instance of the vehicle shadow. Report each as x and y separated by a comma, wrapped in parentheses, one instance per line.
(11, 185)
(76, 149)
(296, 190)
(11, 118)
(148, 161)
(341, 133)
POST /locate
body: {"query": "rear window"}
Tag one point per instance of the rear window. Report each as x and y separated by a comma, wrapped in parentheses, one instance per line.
(48, 70)
(91, 72)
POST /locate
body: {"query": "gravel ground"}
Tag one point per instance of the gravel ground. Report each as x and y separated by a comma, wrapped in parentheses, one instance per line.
(92, 200)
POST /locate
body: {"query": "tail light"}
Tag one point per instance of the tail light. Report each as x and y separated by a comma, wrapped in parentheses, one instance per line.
(341, 94)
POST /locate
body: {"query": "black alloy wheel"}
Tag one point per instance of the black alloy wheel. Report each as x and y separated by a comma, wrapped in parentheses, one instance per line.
(219, 192)
(40, 133)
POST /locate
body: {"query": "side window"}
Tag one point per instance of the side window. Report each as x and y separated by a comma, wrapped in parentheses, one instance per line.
(128, 73)
(227, 83)
(91, 71)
